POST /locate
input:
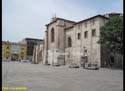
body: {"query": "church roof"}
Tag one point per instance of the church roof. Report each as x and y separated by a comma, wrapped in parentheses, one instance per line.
(113, 13)
(86, 20)
(91, 18)
(60, 19)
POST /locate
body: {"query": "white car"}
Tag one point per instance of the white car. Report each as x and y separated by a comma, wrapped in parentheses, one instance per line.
(25, 60)
(92, 67)
(56, 64)
(73, 65)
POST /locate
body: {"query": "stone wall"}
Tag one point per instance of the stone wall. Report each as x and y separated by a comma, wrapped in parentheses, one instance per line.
(90, 43)
(58, 46)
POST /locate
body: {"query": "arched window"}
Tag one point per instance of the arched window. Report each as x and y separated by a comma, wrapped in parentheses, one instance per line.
(69, 42)
(52, 35)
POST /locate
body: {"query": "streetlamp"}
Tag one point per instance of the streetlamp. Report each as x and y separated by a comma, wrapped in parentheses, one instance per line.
(84, 57)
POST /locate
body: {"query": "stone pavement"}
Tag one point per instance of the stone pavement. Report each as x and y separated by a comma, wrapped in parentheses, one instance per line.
(38, 77)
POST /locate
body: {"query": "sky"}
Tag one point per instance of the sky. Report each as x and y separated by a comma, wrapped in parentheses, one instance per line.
(27, 18)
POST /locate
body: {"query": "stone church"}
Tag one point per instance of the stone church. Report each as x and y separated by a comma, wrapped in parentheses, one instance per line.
(68, 41)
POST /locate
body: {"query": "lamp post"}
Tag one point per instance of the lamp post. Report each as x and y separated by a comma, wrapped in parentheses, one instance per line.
(83, 58)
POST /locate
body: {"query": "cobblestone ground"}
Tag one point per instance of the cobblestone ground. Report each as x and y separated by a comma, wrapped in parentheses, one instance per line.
(38, 77)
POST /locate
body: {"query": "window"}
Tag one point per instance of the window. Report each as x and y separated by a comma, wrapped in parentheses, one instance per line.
(52, 34)
(112, 59)
(69, 42)
(7, 47)
(85, 34)
(85, 51)
(22, 53)
(93, 32)
(79, 35)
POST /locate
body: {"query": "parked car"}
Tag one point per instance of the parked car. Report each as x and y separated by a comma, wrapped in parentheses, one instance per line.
(56, 64)
(47, 64)
(25, 60)
(92, 67)
(73, 65)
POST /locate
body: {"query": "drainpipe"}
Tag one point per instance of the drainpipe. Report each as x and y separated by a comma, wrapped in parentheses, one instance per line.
(33, 58)
(64, 42)
(46, 60)
(36, 54)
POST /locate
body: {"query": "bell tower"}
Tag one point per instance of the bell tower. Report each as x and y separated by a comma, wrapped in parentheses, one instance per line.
(53, 18)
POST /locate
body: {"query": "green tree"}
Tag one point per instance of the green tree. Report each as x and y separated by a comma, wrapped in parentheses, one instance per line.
(112, 35)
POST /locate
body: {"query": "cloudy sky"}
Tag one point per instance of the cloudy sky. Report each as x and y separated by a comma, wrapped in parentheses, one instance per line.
(27, 18)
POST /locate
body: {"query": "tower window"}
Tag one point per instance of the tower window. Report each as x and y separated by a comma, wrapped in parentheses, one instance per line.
(52, 35)
(69, 42)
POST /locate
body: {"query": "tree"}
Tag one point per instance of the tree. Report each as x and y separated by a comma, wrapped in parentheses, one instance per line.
(112, 35)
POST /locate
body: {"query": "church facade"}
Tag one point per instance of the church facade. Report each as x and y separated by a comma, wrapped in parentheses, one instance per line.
(68, 41)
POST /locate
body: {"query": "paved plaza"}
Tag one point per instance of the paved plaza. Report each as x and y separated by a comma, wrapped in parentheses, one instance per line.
(38, 77)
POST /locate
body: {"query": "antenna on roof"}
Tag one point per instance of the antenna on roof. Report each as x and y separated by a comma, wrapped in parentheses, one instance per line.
(55, 15)
(52, 17)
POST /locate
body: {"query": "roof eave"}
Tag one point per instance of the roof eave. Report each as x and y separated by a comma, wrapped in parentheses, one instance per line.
(90, 19)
